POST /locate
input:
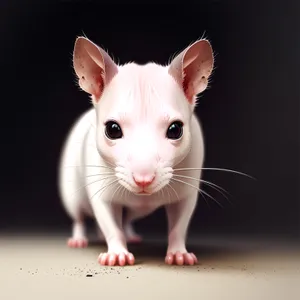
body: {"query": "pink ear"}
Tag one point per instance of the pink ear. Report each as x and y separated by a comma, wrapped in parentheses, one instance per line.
(192, 68)
(93, 66)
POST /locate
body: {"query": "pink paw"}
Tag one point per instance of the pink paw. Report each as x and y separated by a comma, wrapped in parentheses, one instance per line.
(112, 259)
(77, 242)
(134, 239)
(181, 258)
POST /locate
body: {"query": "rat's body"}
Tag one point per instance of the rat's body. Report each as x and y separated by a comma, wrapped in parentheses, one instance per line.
(79, 154)
(127, 150)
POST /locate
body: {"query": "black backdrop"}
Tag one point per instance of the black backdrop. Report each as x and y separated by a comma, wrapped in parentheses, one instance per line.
(249, 115)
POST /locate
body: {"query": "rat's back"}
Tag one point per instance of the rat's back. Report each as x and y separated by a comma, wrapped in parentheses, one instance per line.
(70, 165)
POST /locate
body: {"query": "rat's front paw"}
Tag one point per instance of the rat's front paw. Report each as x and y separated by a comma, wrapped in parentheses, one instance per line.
(180, 258)
(113, 259)
(77, 242)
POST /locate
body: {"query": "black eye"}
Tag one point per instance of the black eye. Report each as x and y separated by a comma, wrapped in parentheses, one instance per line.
(175, 130)
(113, 130)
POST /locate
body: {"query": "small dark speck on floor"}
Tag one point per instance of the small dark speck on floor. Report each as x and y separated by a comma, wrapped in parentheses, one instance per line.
(89, 275)
(127, 277)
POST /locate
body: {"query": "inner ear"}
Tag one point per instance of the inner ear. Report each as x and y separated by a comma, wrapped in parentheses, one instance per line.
(192, 68)
(93, 66)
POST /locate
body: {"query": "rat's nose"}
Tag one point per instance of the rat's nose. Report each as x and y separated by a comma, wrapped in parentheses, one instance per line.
(143, 180)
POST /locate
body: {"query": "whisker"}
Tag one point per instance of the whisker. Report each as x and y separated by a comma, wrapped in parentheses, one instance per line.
(90, 166)
(169, 194)
(120, 191)
(176, 194)
(203, 196)
(106, 186)
(123, 191)
(99, 174)
(212, 185)
(162, 193)
(109, 163)
(117, 189)
(205, 193)
(216, 187)
(90, 184)
(103, 190)
(215, 169)
(126, 193)
(163, 190)
(215, 200)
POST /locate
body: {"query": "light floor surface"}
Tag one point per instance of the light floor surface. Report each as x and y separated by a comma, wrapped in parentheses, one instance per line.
(35, 267)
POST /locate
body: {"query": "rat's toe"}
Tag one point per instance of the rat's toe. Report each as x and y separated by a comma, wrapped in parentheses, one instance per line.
(189, 259)
(102, 259)
(169, 258)
(130, 259)
(180, 258)
(112, 259)
(122, 259)
(77, 242)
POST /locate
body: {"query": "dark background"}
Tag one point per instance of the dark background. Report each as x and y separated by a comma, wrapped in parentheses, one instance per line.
(250, 115)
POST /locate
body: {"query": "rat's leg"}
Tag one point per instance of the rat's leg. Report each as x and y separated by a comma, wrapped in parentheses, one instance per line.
(78, 239)
(72, 199)
(131, 216)
(109, 218)
(131, 235)
(179, 215)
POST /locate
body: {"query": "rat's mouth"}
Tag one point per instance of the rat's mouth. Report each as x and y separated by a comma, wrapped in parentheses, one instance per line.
(144, 193)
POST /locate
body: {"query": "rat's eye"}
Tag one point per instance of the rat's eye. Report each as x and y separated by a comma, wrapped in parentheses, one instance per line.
(113, 130)
(175, 130)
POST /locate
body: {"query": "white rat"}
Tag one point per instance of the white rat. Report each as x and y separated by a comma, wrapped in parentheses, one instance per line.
(139, 147)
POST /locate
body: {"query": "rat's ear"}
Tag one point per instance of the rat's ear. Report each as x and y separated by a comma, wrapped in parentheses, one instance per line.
(192, 67)
(93, 66)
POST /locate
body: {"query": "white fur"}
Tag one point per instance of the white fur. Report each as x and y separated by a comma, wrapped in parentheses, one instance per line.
(80, 150)
(147, 96)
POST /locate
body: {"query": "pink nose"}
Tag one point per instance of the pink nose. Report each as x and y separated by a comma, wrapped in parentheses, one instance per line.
(143, 181)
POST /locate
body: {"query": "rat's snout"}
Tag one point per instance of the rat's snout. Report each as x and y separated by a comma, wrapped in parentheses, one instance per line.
(143, 161)
(143, 180)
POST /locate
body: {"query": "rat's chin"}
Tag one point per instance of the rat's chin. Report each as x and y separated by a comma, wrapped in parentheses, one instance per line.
(143, 193)
(137, 190)
(148, 191)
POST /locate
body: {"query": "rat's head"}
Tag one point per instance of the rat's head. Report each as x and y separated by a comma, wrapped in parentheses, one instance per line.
(143, 111)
